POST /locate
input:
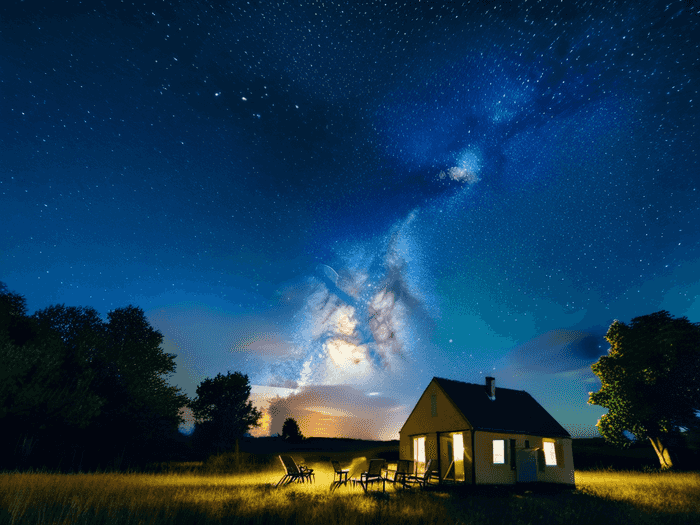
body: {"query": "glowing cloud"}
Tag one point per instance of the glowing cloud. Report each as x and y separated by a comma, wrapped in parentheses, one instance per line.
(338, 411)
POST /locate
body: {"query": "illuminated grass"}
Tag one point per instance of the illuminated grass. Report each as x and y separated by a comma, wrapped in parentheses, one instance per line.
(188, 498)
(674, 492)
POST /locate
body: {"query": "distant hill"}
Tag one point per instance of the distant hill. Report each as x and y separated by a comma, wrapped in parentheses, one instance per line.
(275, 445)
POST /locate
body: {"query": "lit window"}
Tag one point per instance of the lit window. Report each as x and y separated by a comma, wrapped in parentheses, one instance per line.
(499, 451)
(550, 457)
(419, 453)
(458, 441)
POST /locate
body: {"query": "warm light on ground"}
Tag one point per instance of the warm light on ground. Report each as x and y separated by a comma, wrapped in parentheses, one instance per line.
(601, 498)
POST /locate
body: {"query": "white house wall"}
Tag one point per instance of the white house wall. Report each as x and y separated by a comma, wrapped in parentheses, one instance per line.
(489, 473)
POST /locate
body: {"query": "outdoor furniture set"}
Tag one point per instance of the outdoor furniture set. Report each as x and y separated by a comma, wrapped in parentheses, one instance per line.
(294, 472)
(377, 472)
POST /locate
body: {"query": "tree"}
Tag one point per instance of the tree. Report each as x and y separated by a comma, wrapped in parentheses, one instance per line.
(142, 407)
(44, 397)
(650, 381)
(127, 369)
(291, 432)
(222, 411)
(69, 380)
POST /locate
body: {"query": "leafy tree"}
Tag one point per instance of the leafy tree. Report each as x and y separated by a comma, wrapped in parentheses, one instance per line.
(88, 384)
(142, 407)
(43, 396)
(15, 325)
(650, 381)
(222, 411)
(291, 432)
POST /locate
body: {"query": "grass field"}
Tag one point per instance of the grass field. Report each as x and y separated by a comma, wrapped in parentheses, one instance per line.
(600, 497)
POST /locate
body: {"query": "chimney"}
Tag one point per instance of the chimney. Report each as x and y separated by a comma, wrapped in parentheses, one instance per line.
(491, 388)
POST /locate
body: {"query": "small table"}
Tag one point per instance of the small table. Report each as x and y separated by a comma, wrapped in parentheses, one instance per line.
(307, 472)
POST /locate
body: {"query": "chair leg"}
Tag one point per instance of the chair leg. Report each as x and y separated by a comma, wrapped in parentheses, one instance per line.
(280, 481)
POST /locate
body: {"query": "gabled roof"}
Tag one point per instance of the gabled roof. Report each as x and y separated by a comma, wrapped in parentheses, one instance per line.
(513, 411)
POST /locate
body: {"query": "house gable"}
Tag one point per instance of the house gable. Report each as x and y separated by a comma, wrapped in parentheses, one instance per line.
(434, 412)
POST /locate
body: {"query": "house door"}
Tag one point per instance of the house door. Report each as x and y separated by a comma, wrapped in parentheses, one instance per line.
(526, 465)
(446, 456)
(419, 454)
(452, 456)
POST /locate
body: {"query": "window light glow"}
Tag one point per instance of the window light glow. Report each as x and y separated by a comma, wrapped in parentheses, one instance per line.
(458, 440)
(499, 451)
(550, 457)
(419, 453)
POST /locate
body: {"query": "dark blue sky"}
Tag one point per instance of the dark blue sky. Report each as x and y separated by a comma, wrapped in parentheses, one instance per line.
(343, 200)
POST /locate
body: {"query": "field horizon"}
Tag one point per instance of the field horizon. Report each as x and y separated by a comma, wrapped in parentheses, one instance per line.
(208, 492)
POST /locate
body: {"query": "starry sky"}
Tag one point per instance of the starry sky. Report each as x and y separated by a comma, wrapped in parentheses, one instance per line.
(345, 199)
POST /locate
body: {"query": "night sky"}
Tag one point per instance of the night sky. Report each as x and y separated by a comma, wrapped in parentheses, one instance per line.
(345, 199)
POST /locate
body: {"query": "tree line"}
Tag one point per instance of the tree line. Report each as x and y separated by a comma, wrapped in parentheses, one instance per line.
(78, 392)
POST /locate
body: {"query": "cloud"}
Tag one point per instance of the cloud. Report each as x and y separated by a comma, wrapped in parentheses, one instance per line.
(557, 351)
(264, 345)
(338, 411)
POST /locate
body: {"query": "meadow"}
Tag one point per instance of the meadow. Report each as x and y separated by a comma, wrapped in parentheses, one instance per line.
(189, 494)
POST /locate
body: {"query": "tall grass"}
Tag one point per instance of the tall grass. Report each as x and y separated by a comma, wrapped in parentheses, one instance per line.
(668, 492)
(195, 497)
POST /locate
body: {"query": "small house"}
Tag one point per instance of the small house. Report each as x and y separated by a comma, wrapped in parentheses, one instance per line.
(481, 434)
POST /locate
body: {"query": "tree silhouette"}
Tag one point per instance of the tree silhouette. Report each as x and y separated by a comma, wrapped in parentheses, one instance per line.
(222, 411)
(650, 381)
(291, 432)
(44, 397)
(71, 383)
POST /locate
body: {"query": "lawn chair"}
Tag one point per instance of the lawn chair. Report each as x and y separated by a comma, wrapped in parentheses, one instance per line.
(373, 475)
(293, 472)
(431, 473)
(404, 469)
(307, 472)
(340, 476)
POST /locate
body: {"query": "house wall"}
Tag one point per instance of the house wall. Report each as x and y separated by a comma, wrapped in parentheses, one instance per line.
(486, 471)
(422, 422)
(489, 473)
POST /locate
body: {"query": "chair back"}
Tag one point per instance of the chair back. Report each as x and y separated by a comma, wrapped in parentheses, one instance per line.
(402, 467)
(336, 466)
(289, 465)
(430, 468)
(411, 469)
(375, 467)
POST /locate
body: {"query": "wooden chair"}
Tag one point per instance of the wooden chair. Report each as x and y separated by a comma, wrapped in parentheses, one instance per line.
(373, 475)
(431, 473)
(293, 472)
(340, 476)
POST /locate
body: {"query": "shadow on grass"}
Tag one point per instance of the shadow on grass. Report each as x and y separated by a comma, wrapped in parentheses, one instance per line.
(546, 503)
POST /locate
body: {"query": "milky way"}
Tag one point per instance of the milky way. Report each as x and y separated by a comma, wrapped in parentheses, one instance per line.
(342, 200)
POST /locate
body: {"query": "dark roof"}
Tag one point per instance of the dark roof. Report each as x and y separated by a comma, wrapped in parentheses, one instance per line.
(513, 411)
